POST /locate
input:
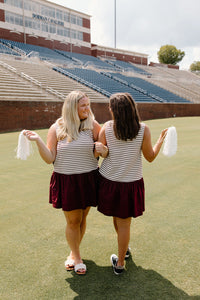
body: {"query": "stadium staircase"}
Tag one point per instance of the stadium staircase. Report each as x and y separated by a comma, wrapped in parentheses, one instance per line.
(14, 86)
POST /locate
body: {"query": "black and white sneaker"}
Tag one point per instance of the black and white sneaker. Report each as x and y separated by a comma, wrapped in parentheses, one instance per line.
(116, 269)
(128, 253)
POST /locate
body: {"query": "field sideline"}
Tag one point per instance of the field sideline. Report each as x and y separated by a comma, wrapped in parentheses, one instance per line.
(165, 261)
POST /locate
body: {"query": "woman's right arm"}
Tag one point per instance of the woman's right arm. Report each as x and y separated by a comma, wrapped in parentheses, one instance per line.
(150, 152)
(48, 151)
(101, 145)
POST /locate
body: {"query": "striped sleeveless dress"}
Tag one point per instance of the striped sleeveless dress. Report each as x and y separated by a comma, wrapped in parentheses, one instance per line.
(73, 183)
(121, 190)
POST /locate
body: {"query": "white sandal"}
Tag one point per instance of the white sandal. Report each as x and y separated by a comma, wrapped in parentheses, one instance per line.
(69, 264)
(79, 267)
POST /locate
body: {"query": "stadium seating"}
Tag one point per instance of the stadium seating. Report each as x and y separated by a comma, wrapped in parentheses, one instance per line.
(6, 50)
(125, 66)
(150, 89)
(87, 60)
(42, 77)
(103, 84)
(106, 77)
(14, 87)
(42, 52)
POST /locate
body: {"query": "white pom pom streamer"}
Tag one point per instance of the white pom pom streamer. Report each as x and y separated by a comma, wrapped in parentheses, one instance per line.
(170, 142)
(24, 148)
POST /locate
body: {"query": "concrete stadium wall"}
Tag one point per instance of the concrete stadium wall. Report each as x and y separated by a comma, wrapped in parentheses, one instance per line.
(17, 115)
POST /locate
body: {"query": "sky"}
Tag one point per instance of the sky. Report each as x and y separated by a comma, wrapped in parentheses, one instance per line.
(144, 25)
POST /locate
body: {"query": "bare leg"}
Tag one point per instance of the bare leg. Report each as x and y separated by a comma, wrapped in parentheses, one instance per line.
(83, 223)
(122, 226)
(115, 224)
(75, 230)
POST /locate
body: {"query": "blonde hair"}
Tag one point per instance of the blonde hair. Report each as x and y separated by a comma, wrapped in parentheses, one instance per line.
(69, 125)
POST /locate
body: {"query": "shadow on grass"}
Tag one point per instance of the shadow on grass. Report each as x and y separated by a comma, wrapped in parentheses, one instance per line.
(136, 283)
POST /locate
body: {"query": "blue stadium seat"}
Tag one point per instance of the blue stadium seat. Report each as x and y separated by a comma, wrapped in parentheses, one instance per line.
(152, 90)
(125, 66)
(107, 82)
(87, 60)
(104, 84)
(7, 50)
(43, 52)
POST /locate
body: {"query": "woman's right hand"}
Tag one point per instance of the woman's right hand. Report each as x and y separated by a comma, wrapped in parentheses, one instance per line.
(47, 152)
(101, 149)
(31, 135)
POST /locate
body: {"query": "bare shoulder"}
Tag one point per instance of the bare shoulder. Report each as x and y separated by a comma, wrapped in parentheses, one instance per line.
(96, 124)
(146, 130)
(52, 133)
(52, 129)
(108, 123)
(103, 128)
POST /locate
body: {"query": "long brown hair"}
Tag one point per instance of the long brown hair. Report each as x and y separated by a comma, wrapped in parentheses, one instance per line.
(125, 115)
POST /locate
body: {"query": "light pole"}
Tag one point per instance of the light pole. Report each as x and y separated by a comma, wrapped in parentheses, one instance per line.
(115, 23)
(24, 22)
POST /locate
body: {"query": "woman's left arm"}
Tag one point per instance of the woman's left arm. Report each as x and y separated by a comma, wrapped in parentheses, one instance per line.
(96, 130)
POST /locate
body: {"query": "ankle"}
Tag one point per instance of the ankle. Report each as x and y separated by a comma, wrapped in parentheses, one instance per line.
(78, 261)
(120, 263)
(71, 255)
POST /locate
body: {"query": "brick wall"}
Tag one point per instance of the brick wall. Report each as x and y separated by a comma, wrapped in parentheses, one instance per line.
(40, 41)
(86, 23)
(121, 56)
(152, 64)
(17, 115)
(86, 37)
(2, 15)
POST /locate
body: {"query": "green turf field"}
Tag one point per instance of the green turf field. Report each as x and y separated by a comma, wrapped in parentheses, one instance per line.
(165, 241)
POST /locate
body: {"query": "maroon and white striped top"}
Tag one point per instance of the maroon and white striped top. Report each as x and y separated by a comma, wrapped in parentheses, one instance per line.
(124, 161)
(76, 157)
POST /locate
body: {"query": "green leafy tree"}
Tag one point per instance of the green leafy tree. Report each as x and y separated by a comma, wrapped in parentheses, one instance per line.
(195, 66)
(169, 54)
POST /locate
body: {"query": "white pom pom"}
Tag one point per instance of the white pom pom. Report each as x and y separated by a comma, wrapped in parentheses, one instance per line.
(24, 148)
(170, 142)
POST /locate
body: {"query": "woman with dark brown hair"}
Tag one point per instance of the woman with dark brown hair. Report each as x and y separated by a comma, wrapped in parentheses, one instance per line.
(121, 190)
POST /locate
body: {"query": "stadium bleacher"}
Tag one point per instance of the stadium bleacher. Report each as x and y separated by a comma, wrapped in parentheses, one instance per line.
(105, 77)
(150, 89)
(42, 52)
(103, 84)
(125, 66)
(7, 50)
(87, 60)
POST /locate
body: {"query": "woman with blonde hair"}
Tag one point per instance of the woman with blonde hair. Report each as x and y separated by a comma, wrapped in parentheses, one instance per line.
(73, 185)
(121, 189)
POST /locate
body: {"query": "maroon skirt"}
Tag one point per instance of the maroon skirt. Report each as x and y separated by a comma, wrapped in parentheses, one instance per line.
(77, 191)
(121, 199)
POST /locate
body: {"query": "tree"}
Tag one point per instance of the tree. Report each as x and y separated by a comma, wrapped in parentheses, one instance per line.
(168, 54)
(195, 66)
